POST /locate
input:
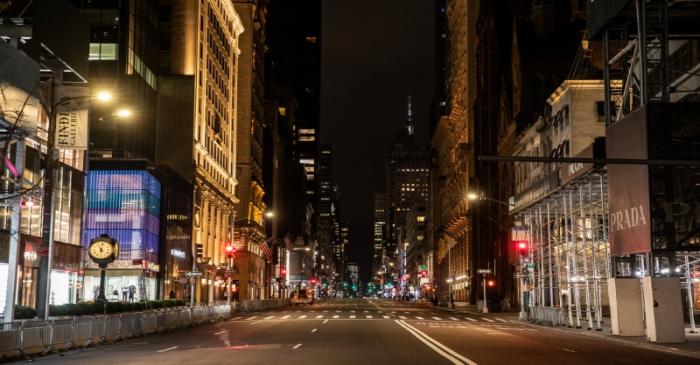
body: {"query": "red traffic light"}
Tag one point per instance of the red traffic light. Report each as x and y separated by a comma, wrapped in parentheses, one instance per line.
(491, 283)
(424, 273)
(230, 250)
(283, 271)
(521, 246)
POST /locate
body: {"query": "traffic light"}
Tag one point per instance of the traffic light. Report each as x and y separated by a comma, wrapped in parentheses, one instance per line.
(283, 271)
(198, 251)
(424, 273)
(521, 247)
(491, 283)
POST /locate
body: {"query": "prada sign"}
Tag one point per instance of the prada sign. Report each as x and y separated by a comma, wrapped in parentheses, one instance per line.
(628, 186)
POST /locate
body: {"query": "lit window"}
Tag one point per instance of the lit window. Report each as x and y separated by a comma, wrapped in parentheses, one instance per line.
(103, 52)
(420, 218)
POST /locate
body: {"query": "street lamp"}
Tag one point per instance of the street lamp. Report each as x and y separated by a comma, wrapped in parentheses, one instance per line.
(123, 113)
(269, 214)
(48, 211)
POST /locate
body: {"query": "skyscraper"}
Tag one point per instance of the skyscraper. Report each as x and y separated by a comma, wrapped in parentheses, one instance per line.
(381, 205)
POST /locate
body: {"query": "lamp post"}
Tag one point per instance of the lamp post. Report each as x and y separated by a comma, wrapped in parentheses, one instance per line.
(48, 209)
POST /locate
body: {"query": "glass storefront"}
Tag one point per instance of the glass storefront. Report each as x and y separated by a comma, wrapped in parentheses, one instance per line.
(123, 288)
(64, 287)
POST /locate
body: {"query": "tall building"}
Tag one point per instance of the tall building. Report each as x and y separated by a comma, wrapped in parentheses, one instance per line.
(253, 253)
(451, 144)
(197, 108)
(324, 226)
(379, 240)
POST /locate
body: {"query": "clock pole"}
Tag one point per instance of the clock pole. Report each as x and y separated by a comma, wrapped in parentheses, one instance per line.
(101, 295)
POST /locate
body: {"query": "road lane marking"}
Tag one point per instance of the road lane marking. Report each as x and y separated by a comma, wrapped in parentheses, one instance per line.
(296, 346)
(421, 318)
(285, 317)
(168, 349)
(325, 311)
(454, 319)
(565, 349)
(437, 318)
(470, 319)
(402, 317)
(501, 320)
(352, 311)
(220, 332)
(386, 317)
(336, 316)
(302, 317)
(487, 320)
(351, 317)
(252, 318)
(314, 330)
(270, 317)
(326, 321)
(436, 346)
(254, 323)
(370, 317)
(366, 311)
(319, 316)
(236, 318)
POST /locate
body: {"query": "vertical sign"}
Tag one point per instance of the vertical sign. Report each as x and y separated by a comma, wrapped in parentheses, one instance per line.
(72, 120)
(628, 186)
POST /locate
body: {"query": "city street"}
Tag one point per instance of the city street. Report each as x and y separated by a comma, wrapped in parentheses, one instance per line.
(362, 332)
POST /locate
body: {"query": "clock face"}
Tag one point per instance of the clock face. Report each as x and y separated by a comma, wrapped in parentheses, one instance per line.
(101, 250)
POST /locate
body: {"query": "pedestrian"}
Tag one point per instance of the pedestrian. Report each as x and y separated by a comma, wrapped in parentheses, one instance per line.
(132, 291)
(171, 295)
(125, 293)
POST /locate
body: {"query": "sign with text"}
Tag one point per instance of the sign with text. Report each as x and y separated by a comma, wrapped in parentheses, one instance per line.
(72, 120)
(628, 186)
(483, 271)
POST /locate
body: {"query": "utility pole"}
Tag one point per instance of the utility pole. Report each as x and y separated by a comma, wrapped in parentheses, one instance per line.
(13, 254)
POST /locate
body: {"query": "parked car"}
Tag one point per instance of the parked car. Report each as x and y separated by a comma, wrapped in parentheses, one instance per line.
(302, 296)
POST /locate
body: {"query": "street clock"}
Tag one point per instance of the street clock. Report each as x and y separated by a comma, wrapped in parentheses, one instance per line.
(103, 250)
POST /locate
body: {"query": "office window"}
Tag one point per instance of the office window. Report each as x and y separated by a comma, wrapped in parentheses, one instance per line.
(103, 52)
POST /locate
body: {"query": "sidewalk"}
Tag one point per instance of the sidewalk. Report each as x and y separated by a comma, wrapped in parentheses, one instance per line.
(690, 348)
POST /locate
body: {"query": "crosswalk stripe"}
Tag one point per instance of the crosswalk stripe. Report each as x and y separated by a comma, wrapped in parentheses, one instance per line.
(454, 319)
(351, 317)
(337, 311)
(270, 317)
(487, 320)
(437, 318)
(470, 319)
(302, 317)
(366, 311)
(419, 317)
(336, 316)
(325, 311)
(405, 312)
(369, 316)
(319, 316)
(285, 317)
(352, 311)
(252, 318)
(235, 318)
(385, 317)
(402, 317)
(501, 320)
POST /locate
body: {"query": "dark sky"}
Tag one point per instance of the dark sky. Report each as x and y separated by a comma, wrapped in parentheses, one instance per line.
(374, 52)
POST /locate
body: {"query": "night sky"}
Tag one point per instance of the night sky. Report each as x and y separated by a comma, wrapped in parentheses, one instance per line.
(374, 52)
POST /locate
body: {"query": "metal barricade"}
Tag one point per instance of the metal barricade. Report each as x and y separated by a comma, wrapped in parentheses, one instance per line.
(112, 328)
(148, 323)
(138, 324)
(161, 318)
(185, 317)
(82, 331)
(36, 336)
(198, 315)
(97, 328)
(172, 319)
(10, 336)
(126, 325)
(61, 334)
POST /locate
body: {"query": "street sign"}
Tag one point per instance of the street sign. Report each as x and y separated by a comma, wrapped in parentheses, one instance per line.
(193, 273)
(483, 271)
(423, 267)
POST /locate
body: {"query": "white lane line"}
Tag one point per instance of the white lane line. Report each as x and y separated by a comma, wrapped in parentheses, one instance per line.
(565, 349)
(326, 321)
(437, 318)
(352, 311)
(405, 313)
(420, 317)
(436, 346)
(314, 330)
(168, 349)
(270, 317)
(285, 317)
(402, 317)
(220, 332)
(325, 311)
(351, 317)
(337, 311)
(487, 320)
(252, 318)
(501, 320)
(366, 311)
(296, 346)
(369, 317)
(302, 317)
(454, 319)
(335, 316)
(470, 319)
(319, 316)
(235, 318)
(254, 323)
(385, 317)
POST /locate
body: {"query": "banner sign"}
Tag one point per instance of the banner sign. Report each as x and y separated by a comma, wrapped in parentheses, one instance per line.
(628, 186)
(72, 120)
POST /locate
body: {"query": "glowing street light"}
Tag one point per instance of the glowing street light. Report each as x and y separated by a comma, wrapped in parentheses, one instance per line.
(104, 96)
(472, 196)
(123, 113)
(269, 214)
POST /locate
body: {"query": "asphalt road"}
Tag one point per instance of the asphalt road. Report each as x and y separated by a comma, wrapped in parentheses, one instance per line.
(361, 332)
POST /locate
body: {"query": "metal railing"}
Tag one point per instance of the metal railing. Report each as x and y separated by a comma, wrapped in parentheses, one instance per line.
(32, 337)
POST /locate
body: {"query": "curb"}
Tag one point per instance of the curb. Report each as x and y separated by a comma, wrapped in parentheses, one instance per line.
(621, 340)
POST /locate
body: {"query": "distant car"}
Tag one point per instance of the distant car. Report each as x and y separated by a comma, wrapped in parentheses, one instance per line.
(302, 296)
